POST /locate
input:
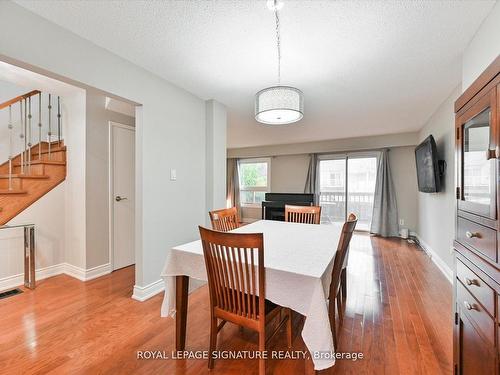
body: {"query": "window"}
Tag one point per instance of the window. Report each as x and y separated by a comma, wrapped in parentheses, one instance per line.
(255, 180)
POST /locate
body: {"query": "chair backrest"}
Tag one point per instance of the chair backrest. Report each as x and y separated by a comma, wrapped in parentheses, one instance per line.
(342, 248)
(225, 219)
(303, 214)
(231, 260)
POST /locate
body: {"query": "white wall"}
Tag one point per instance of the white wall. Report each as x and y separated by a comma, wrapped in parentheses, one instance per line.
(216, 124)
(436, 224)
(338, 145)
(436, 212)
(75, 139)
(482, 49)
(172, 123)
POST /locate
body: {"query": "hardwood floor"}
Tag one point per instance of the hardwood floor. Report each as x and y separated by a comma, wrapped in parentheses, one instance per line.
(398, 314)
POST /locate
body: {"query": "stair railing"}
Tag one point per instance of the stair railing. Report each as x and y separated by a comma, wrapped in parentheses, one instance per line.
(26, 135)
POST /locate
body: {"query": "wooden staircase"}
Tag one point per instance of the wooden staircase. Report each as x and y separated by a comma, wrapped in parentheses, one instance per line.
(44, 174)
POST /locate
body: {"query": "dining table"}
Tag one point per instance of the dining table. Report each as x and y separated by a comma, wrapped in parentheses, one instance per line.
(298, 261)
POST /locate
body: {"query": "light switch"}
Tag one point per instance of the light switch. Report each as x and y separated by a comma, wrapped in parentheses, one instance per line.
(173, 174)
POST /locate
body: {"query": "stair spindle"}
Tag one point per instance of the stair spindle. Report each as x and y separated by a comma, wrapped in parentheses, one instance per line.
(30, 135)
(59, 121)
(21, 135)
(40, 126)
(10, 147)
(50, 124)
(25, 133)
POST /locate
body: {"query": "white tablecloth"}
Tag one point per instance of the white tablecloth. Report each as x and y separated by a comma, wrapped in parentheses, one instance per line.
(298, 260)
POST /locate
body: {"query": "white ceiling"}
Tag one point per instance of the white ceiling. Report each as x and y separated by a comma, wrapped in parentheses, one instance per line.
(365, 68)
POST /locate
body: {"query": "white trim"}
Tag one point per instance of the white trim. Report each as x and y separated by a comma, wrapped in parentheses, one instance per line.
(81, 274)
(86, 274)
(74, 271)
(14, 281)
(443, 267)
(111, 194)
(142, 293)
(95, 272)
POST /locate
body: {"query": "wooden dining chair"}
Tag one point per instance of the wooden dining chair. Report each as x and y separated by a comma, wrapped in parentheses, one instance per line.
(237, 287)
(224, 220)
(303, 214)
(334, 296)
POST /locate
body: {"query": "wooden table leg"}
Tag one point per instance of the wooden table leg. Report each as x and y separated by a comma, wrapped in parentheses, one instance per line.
(181, 302)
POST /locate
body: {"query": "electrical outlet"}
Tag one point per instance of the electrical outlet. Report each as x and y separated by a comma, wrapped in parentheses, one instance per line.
(402, 222)
(173, 175)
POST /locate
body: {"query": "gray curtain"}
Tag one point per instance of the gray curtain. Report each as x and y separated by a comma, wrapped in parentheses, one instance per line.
(233, 184)
(385, 211)
(312, 178)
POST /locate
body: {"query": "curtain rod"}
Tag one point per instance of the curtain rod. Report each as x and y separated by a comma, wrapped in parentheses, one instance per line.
(317, 153)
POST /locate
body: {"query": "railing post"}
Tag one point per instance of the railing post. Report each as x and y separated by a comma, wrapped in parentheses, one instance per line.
(40, 126)
(10, 147)
(59, 121)
(50, 123)
(22, 135)
(25, 132)
(30, 137)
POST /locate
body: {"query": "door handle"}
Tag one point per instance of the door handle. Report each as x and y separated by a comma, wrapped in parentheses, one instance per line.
(118, 198)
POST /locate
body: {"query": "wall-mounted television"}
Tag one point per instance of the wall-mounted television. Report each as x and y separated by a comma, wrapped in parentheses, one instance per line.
(428, 166)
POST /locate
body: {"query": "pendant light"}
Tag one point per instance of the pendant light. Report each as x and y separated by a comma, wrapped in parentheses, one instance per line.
(278, 105)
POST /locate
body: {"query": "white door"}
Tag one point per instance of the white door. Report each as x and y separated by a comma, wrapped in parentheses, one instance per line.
(122, 195)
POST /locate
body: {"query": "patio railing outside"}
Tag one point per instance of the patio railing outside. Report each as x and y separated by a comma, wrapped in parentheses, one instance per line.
(333, 207)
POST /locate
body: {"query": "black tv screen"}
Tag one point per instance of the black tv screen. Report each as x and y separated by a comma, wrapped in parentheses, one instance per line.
(427, 166)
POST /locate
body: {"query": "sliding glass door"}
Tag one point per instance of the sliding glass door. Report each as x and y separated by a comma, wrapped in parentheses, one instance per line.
(347, 184)
(332, 189)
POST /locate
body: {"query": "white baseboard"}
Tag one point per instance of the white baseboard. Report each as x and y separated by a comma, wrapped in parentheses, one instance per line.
(81, 274)
(14, 281)
(142, 293)
(86, 274)
(443, 267)
(74, 271)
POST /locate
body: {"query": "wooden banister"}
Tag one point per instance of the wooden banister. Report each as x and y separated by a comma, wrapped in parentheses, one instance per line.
(19, 98)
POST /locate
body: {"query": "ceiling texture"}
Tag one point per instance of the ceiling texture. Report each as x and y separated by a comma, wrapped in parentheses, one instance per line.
(366, 68)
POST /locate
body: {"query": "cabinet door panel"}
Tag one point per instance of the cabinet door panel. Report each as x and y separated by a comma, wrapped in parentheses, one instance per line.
(476, 355)
(476, 153)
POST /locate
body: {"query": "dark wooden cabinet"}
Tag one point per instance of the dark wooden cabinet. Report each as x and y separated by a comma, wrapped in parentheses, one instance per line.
(477, 259)
(476, 356)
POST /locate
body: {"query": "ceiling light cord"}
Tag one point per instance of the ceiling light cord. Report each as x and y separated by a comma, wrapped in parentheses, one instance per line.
(278, 40)
(278, 105)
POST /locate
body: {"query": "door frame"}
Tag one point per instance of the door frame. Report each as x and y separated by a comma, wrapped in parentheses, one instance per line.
(111, 126)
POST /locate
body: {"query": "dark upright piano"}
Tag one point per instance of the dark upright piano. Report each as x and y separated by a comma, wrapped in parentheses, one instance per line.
(273, 208)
